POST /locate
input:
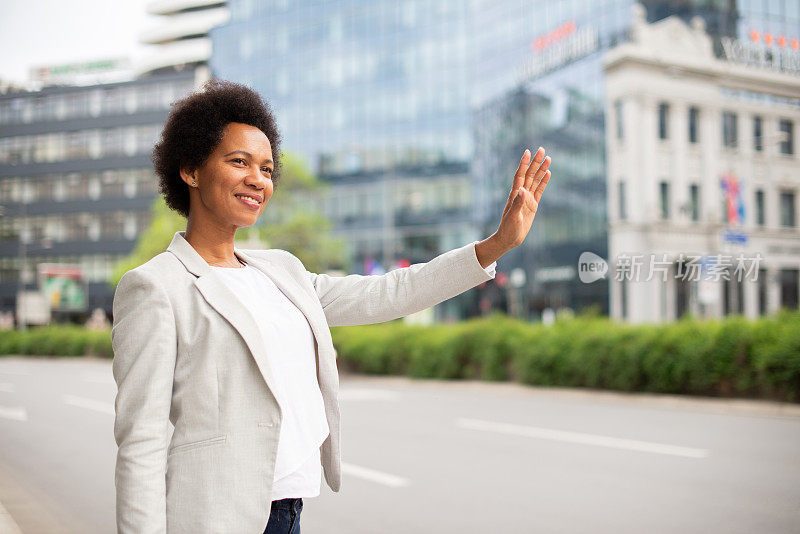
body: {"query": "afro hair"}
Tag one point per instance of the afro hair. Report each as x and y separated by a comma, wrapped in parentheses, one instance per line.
(194, 128)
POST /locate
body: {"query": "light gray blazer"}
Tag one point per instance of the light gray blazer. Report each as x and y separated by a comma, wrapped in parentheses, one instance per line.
(187, 353)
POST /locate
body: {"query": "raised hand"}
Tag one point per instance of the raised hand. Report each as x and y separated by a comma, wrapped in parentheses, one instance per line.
(523, 200)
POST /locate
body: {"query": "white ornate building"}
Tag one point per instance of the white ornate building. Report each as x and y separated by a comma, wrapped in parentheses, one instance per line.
(680, 123)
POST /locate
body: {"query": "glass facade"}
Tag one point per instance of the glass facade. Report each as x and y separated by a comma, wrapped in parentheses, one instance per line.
(361, 87)
(356, 86)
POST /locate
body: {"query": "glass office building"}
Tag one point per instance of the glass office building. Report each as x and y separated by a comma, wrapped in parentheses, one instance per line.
(375, 97)
(379, 86)
(356, 85)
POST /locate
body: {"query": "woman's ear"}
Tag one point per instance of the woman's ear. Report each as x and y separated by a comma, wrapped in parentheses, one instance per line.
(189, 176)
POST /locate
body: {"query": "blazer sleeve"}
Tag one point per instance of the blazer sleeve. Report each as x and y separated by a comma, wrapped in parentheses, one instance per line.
(366, 299)
(144, 341)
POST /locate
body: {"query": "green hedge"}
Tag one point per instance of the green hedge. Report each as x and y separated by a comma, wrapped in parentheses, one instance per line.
(733, 357)
(730, 357)
(56, 341)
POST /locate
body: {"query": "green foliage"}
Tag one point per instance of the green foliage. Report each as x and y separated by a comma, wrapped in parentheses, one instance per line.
(56, 340)
(292, 220)
(306, 234)
(776, 355)
(730, 357)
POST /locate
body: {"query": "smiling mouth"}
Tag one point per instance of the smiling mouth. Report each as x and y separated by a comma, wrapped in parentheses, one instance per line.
(248, 201)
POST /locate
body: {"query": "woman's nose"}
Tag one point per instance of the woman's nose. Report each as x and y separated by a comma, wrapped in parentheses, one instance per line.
(256, 177)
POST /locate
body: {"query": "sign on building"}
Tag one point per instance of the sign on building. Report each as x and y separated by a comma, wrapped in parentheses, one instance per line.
(64, 286)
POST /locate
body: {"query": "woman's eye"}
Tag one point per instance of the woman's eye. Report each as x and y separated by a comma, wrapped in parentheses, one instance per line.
(267, 169)
(239, 160)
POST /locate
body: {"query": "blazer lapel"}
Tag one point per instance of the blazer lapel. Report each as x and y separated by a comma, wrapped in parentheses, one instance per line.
(225, 302)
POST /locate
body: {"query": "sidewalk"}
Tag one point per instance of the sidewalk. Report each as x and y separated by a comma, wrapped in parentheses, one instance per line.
(7, 524)
(731, 406)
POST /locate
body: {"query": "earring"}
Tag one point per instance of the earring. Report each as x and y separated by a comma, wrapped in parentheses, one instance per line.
(194, 183)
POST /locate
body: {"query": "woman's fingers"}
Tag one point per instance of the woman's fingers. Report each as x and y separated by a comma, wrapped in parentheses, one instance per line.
(533, 177)
(537, 160)
(519, 176)
(540, 188)
(529, 172)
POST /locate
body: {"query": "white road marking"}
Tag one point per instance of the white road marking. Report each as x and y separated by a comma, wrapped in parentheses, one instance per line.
(16, 414)
(18, 372)
(89, 404)
(580, 437)
(6, 387)
(393, 481)
(361, 394)
(99, 379)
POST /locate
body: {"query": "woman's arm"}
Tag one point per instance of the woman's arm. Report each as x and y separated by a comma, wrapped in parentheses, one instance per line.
(144, 341)
(358, 299)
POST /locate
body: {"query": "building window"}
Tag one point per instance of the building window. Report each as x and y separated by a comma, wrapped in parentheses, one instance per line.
(787, 209)
(760, 207)
(729, 134)
(618, 116)
(762, 291)
(789, 288)
(663, 118)
(694, 202)
(758, 134)
(112, 142)
(622, 207)
(786, 128)
(694, 115)
(664, 199)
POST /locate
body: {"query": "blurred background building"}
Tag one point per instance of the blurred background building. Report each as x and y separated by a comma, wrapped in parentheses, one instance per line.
(703, 163)
(416, 113)
(180, 40)
(381, 97)
(76, 180)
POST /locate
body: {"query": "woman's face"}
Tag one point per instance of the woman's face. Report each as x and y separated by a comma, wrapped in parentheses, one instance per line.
(235, 183)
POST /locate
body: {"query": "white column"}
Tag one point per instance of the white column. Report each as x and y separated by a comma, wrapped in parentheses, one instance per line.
(750, 291)
(773, 290)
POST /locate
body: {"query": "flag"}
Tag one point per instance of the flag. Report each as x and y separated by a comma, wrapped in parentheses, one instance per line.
(733, 199)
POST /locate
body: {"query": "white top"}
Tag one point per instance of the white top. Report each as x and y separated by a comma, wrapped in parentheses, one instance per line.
(292, 358)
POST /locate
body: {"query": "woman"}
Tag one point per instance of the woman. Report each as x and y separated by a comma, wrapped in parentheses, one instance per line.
(233, 347)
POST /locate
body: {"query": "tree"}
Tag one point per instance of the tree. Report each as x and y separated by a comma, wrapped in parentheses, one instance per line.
(294, 222)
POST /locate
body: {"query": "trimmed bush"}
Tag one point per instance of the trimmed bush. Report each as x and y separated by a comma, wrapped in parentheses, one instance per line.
(729, 357)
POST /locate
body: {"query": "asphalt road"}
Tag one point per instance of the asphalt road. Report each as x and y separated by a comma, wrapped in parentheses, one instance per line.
(424, 456)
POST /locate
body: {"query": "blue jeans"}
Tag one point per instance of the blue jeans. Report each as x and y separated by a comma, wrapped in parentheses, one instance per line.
(284, 517)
